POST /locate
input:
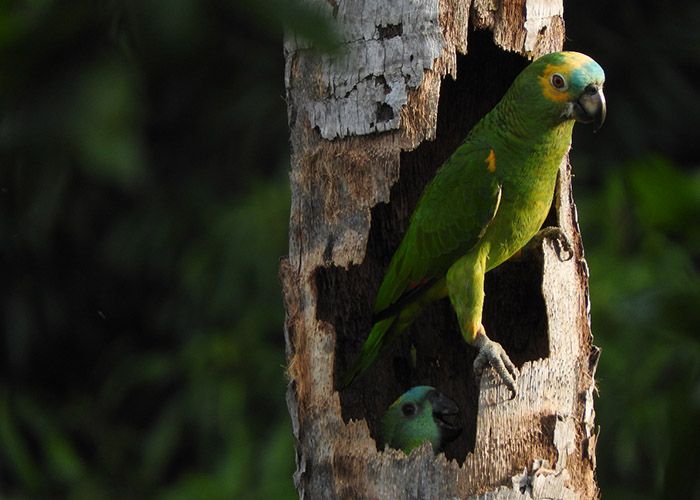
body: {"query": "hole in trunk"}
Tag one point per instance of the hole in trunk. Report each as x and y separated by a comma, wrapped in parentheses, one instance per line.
(514, 312)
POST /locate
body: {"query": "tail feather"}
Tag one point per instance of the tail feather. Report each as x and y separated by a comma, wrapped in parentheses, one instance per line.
(378, 338)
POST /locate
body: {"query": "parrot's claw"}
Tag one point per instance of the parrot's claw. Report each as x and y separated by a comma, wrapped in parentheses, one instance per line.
(560, 241)
(492, 354)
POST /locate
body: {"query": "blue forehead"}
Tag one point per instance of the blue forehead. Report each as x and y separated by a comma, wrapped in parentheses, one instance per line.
(417, 392)
(590, 72)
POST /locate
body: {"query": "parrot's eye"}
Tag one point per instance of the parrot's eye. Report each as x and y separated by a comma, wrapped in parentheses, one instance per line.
(558, 81)
(408, 409)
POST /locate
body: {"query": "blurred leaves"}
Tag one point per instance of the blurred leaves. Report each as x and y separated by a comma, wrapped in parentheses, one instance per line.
(638, 191)
(643, 249)
(143, 212)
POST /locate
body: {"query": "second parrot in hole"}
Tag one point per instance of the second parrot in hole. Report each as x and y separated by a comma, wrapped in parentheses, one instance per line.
(421, 414)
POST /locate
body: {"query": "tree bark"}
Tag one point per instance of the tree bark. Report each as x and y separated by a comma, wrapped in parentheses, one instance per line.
(369, 127)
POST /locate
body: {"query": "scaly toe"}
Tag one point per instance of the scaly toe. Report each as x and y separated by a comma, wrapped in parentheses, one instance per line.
(561, 242)
(492, 354)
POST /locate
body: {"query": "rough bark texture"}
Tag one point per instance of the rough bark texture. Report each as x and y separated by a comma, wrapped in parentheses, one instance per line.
(387, 107)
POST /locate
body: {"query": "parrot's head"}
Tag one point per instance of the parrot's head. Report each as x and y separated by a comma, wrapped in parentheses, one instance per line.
(569, 86)
(421, 414)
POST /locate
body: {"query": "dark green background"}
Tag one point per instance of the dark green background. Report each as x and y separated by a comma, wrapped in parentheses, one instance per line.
(143, 211)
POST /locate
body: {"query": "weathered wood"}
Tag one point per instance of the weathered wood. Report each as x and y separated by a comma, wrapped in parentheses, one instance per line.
(383, 107)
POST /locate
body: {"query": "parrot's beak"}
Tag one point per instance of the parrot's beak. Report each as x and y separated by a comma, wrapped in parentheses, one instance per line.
(590, 107)
(444, 412)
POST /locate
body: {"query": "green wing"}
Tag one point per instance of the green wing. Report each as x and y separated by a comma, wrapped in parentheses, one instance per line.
(451, 216)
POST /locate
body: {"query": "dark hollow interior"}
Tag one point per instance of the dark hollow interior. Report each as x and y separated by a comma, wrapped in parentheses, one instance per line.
(514, 311)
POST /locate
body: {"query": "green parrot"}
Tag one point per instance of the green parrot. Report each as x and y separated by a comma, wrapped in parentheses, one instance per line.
(420, 414)
(485, 203)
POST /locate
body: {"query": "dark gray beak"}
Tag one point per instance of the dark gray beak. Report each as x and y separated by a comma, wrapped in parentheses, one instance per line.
(445, 413)
(590, 107)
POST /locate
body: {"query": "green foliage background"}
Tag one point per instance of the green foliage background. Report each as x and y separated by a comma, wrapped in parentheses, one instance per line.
(143, 210)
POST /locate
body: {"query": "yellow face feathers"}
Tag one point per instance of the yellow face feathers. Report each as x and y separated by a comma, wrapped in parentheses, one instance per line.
(556, 78)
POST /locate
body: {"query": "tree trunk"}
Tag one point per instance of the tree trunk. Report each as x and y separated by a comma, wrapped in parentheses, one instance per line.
(369, 127)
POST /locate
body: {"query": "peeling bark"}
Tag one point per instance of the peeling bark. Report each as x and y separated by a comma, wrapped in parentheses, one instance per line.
(390, 105)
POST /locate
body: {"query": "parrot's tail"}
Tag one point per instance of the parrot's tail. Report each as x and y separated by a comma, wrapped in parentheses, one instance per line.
(380, 336)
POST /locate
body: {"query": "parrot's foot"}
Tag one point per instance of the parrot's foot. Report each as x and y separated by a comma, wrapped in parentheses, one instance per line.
(492, 354)
(560, 241)
(552, 233)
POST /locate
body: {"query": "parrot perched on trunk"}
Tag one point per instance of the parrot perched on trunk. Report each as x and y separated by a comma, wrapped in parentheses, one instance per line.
(485, 203)
(421, 414)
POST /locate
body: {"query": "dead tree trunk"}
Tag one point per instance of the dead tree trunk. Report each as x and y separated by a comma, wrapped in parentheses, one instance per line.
(368, 129)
